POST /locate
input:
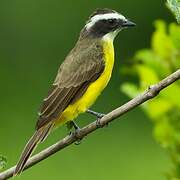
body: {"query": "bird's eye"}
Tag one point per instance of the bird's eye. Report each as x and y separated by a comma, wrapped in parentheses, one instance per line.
(111, 21)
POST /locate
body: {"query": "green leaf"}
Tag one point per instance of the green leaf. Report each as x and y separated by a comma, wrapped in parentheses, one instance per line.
(174, 32)
(172, 94)
(163, 133)
(152, 60)
(3, 162)
(147, 76)
(174, 6)
(130, 89)
(158, 108)
(161, 42)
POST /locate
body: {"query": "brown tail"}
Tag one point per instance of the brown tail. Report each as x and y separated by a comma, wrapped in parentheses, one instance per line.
(37, 137)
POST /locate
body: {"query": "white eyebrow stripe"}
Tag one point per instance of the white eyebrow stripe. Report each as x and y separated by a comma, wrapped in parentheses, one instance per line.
(98, 17)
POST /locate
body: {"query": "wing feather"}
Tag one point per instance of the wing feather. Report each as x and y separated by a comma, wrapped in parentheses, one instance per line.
(72, 81)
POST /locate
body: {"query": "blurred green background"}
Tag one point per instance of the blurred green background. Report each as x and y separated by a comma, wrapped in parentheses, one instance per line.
(35, 37)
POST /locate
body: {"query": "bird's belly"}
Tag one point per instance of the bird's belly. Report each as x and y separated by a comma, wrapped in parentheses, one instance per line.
(93, 91)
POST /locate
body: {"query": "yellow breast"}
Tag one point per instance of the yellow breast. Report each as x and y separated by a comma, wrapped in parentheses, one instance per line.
(94, 90)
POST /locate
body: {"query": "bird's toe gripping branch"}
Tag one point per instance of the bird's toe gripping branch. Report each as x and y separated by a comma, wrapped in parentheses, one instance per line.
(76, 133)
(97, 114)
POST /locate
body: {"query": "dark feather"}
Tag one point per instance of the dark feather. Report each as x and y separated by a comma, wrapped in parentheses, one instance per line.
(81, 67)
(37, 137)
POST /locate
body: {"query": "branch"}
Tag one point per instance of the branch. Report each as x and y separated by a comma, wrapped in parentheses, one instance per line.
(150, 93)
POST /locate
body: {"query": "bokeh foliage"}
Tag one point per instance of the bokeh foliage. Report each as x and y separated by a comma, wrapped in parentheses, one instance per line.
(150, 66)
(3, 162)
(174, 6)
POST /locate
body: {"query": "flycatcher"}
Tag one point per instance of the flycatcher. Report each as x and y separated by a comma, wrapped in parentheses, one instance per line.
(81, 77)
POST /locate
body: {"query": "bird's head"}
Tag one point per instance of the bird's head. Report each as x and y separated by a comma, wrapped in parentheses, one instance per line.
(105, 23)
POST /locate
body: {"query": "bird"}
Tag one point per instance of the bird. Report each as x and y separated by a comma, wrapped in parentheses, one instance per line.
(81, 77)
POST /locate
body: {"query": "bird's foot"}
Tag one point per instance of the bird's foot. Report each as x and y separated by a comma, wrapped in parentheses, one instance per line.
(99, 124)
(76, 134)
(97, 114)
(72, 124)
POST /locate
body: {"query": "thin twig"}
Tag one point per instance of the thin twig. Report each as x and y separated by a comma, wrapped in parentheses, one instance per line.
(150, 93)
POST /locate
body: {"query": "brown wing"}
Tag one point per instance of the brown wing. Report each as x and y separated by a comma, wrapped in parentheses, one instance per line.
(73, 79)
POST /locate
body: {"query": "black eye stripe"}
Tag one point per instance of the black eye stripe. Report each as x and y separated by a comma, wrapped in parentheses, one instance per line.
(112, 21)
(104, 26)
(109, 21)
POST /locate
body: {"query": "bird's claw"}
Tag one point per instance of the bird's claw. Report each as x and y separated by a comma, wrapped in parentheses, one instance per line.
(98, 115)
(99, 124)
(77, 136)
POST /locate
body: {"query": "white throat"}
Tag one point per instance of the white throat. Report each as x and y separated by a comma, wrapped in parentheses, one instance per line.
(110, 36)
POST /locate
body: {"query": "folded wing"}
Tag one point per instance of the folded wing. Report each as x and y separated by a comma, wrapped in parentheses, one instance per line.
(72, 81)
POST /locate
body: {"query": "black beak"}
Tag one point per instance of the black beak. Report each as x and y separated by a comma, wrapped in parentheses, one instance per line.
(128, 24)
